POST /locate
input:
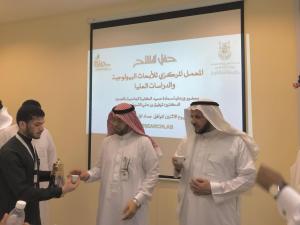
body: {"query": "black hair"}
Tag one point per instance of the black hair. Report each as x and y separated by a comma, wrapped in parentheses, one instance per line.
(1, 105)
(28, 112)
(31, 102)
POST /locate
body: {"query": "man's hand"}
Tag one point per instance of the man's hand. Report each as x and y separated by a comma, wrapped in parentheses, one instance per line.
(69, 186)
(266, 177)
(200, 186)
(177, 165)
(129, 210)
(4, 220)
(84, 175)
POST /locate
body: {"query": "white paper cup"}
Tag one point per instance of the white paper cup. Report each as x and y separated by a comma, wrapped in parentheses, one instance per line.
(74, 178)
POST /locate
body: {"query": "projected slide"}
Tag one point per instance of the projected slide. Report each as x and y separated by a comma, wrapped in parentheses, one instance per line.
(161, 79)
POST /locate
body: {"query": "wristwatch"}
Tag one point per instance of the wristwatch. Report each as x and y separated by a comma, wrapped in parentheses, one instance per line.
(138, 204)
(275, 189)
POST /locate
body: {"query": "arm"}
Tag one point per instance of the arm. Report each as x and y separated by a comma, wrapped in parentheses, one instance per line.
(51, 150)
(17, 180)
(4, 219)
(288, 200)
(44, 175)
(244, 180)
(151, 168)
(95, 173)
(177, 165)
(150, 164)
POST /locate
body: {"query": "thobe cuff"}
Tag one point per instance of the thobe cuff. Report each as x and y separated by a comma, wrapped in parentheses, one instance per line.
(91, 177)
(140, 197)
(177, 174)
(216, 191)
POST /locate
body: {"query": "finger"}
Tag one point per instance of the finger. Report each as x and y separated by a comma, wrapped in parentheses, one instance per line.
(192, 181)
(129, 215)
(125, 209)
(194, 188)
(200, 180)
(4, 218)
(194, 184)
(126, 215)
(195, 191)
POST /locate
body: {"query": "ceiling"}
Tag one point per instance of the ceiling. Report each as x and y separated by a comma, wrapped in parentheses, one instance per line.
(17, 10)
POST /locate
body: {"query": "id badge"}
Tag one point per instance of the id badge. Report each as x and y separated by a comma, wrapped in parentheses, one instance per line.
(124, 175)
(35, 178)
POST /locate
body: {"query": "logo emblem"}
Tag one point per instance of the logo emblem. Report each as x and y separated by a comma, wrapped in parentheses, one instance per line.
(224, 50)
(100, 64)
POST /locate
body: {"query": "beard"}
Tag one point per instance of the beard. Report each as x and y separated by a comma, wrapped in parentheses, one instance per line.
(122, 131)
(206, 128)
(33, 135)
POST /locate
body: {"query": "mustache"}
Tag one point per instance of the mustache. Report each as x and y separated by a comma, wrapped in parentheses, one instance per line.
(205, 128)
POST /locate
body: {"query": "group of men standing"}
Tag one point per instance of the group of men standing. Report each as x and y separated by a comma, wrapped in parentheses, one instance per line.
(218, 166)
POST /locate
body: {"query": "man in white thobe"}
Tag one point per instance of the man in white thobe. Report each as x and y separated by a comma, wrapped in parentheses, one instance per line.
(287, 198)
(46, 151)
(128, 169)
(5, 118)
(218, 167)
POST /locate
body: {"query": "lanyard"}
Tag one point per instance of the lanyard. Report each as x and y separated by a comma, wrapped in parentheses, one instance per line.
(35, 159)
(26, 146)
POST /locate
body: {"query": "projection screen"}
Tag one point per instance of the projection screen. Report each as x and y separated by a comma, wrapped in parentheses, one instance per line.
(161, 63)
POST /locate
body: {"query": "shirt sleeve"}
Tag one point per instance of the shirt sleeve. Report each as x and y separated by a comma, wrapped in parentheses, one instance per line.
(51, 151)
(95, 172)
(245, 179)
(180, 151)
(17, 181)
(151, 169)
(288, 204)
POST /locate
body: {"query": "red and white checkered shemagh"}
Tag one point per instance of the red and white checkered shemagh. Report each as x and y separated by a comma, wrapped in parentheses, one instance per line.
(130, 119)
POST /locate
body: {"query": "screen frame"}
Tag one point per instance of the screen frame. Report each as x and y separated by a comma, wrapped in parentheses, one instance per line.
(238, 5)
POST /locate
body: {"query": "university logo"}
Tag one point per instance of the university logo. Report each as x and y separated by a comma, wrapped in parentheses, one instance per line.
(100, 64)
(224, 50)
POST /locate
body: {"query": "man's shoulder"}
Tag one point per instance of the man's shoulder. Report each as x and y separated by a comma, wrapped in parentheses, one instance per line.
(10, 146)
(222, 134)
(235, 139)
(12, 129)
(12, 142)
(8, 132)
(140, 138)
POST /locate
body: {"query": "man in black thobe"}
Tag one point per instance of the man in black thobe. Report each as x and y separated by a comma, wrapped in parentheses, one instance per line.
(19, 168)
